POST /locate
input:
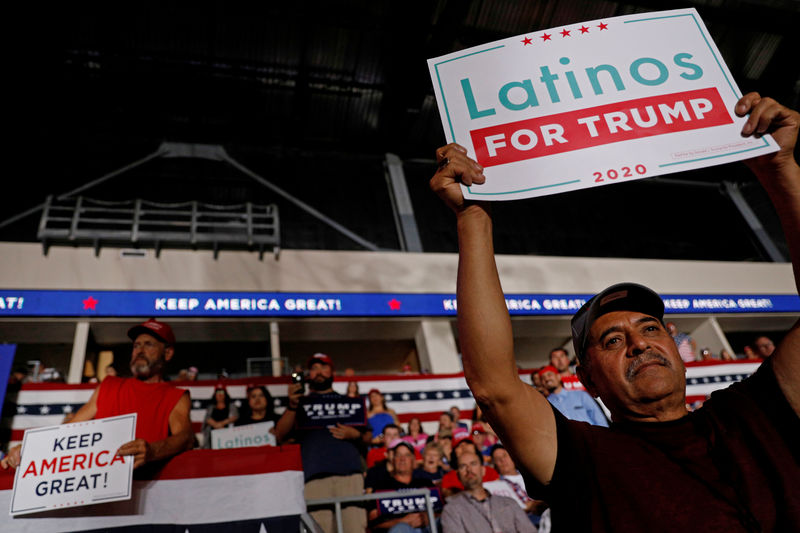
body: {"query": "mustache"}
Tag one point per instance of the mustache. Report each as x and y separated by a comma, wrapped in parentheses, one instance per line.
(645, 358)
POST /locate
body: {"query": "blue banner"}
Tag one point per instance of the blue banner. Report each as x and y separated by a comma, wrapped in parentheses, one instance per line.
(42, 303)
(6, 358)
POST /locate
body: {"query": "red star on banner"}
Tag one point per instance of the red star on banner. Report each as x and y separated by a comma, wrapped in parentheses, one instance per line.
(526, 41)
(89, 303)
(565, 32)
(602, 26)
(394, 304)
(545, 37)
(584, 29)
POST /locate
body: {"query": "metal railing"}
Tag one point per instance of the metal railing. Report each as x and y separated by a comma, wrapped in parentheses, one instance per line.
(337, 505)
(81, 220)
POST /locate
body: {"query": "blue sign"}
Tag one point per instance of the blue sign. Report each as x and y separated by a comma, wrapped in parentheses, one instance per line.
(42, 303)
(324, 410)
(401, 505)
(6, 358)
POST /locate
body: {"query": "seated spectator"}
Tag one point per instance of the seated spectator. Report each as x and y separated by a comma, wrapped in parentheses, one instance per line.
(750, 354)
(378, 473)
(446, 422)
(450, 482)
(511, 484)
(477, 417)
(415, 436)
(352, 389)
(725, 355)
(482, 440)
(456, 412)
(402, 477)
(687, 348)
(432, 467)
(764, 347)
(191, 374)
(260, 407)
(559, 359)
(445, 440)
(705, 355)
(379, 415)
(391, 433)
(183, 375)
(536, 379)
(219, 414)
(476, 510)
(574, 404)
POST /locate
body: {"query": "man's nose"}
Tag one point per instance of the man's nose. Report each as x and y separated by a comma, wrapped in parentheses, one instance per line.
(637, 344)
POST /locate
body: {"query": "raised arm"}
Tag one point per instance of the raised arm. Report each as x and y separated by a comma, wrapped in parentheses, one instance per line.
(779, 174)
(518, 413)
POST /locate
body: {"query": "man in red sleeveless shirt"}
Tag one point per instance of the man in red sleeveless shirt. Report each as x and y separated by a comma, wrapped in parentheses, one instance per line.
(163, 428)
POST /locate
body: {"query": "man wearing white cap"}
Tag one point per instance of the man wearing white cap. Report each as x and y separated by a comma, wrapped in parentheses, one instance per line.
(730, 466)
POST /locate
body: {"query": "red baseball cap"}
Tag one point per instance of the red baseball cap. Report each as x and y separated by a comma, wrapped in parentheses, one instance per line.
(319, 358)
(477, 427)
(548, 368)
(160, 330)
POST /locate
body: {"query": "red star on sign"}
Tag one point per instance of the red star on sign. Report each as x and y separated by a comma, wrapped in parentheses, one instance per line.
(394, 304)
(584, 29)
(602, 26)
(89, 303)
(526, 41)
(565, 32)
(545, 37)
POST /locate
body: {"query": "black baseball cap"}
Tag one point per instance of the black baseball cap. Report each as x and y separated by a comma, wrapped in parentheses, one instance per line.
(619, 297)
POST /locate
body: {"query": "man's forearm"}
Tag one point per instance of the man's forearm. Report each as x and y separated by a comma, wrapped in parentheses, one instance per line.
(284, 425)
(172, 445)
(484, 325)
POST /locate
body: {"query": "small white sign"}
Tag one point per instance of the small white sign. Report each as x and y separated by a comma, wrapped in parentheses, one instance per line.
(74, 464)
(592, 103)
(241, 436)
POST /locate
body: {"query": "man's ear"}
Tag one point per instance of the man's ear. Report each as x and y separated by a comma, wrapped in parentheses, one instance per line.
(586, 379)
(169, 351)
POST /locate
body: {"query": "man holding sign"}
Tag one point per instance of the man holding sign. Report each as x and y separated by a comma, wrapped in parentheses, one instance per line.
(730, 466)
(330, 429)
(163, 427)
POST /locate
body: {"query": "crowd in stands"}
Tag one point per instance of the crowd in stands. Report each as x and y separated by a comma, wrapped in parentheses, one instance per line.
(465, 462)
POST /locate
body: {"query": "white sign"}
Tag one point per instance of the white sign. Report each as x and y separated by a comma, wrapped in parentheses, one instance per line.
(241, 436)
(592, 104)
(74, 464)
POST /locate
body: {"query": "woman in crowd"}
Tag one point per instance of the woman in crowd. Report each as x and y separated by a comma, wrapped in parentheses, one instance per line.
(260, 407)
(219, 414)
(414, 435)
(352, 389)
(378, 415)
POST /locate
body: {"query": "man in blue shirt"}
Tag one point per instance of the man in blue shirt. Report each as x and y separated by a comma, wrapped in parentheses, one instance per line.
(574, 404)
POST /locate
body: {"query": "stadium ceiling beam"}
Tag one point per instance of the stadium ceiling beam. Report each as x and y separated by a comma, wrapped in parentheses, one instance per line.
(212, 152)
(738, 199)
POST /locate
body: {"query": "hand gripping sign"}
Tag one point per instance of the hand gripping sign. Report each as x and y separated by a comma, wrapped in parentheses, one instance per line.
(74, 464)
(592, 104)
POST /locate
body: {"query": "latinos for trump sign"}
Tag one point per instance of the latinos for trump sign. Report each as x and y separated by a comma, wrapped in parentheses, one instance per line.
(324, 410)
(74, 464)
(592, 104)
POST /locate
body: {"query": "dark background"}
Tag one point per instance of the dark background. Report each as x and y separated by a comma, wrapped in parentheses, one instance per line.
(312, 94)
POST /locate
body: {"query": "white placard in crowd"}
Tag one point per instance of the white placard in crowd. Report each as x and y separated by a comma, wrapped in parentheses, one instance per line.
(593, 103)
(241, 436)
(74, 464)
